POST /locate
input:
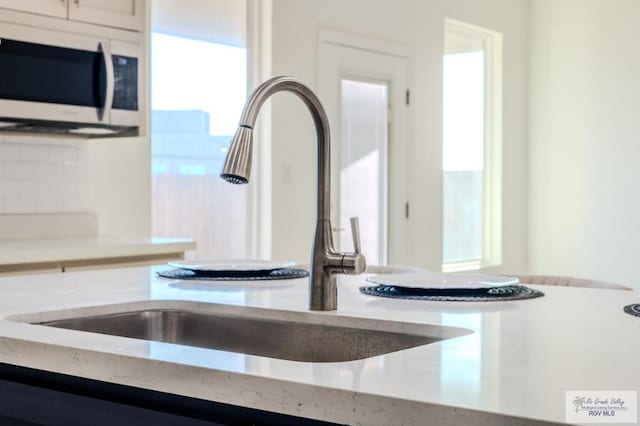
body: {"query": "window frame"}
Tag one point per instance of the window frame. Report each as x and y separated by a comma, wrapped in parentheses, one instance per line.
(491, 42)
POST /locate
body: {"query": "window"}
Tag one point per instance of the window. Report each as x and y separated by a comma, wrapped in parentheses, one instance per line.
(198, 88)
(471, 151)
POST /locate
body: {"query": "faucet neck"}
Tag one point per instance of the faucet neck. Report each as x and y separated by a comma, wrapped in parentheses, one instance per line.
(320, 120)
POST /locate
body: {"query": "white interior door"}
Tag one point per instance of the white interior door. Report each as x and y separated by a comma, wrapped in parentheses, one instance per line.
(364, 93)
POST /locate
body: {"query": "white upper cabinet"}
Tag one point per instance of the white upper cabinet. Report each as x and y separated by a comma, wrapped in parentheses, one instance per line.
(56, 8)
(128, 14)
(114, 13)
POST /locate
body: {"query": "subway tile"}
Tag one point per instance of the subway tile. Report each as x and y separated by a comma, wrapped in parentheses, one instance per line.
(19, 205)
(61, 188)
(62, 154)
(77, 142)
(12, 138)
(35, 189)
(9, 151)
(75, 171)
(16, 138)
(8, 188)
(23, 139)
(18, 170)
(34, 152)
(82, 153)
(47, 170)
(49, 205)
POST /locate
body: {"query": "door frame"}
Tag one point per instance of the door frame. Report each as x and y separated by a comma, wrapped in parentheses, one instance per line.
(259, 69)
(400, 118)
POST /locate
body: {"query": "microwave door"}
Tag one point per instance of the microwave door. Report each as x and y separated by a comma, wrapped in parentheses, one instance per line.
(47, 76)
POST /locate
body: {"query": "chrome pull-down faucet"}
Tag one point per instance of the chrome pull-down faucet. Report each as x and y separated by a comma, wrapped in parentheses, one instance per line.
(326, 262)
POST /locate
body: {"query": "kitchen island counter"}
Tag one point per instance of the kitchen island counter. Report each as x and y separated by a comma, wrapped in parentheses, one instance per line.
(512, 365)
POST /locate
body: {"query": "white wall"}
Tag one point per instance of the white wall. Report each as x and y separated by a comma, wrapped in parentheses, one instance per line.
(120, 185)
(419, 23)
(585, 139)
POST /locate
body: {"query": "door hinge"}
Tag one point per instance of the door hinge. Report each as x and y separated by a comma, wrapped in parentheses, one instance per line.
(406, 210)
(408, 97)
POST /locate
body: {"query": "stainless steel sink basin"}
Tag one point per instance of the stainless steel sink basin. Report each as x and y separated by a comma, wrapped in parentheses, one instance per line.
(269, 337)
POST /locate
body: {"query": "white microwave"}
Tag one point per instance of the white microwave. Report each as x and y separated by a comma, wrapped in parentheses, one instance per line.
(66, 83)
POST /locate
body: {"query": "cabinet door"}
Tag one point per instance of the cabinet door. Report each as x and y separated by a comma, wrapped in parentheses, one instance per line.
(44, 7)
(127, 14)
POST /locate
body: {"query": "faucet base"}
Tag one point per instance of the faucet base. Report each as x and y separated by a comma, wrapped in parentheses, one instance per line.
(324, 291)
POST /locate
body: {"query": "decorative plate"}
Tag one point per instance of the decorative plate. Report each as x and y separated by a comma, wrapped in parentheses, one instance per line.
(432, 280)
(244, 266)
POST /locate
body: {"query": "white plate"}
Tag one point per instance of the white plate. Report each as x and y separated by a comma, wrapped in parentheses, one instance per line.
(434, 280)
(248, 265)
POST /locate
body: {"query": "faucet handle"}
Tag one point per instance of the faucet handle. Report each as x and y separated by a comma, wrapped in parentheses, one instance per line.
(354, 263)
(355, 234)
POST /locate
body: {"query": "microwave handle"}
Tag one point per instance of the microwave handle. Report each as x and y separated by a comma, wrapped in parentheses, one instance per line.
(104, 112)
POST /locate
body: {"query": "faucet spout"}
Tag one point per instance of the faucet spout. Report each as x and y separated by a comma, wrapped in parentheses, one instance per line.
(326, 262)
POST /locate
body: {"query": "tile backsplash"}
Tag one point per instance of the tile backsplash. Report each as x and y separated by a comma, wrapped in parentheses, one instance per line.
(43, 175)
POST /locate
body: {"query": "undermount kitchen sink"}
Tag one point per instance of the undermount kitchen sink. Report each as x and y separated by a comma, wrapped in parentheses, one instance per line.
(244, 330)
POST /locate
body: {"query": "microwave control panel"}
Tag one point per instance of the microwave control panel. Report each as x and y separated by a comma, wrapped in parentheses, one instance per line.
(125, 73)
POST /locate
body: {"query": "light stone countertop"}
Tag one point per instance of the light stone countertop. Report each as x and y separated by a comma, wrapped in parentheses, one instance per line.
(16, 252)
(516, 364)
